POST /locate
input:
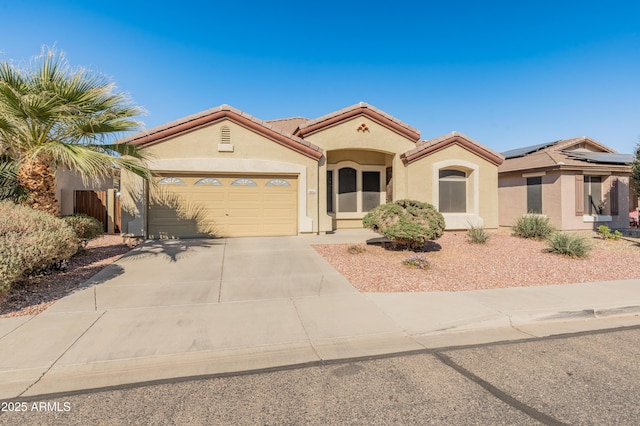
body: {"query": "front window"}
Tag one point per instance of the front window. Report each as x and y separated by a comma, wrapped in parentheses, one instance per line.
(452, 191)
(370, 190)
(347, 190)
(593, 195)
(534, 195)
(354, 189)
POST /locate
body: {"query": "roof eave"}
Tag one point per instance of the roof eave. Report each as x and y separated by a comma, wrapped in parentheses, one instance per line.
(366, 111)
(161, 135)
(416, 154)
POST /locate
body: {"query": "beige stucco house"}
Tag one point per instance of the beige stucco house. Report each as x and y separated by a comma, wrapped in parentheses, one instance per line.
(226, 173)
(577, 183)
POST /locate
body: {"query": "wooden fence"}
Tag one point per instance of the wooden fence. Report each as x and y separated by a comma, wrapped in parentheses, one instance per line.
(96, 204)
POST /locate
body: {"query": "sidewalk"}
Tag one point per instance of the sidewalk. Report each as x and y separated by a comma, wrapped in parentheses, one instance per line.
(189, 308)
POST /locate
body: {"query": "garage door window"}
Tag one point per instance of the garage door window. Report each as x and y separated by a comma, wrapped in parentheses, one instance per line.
(209, 181)
(243, 182)
(170, 181)
(277, 182)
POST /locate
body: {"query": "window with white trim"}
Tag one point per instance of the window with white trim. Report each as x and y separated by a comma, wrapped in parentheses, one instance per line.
(452, 191)
(354, 189)
(593, 204)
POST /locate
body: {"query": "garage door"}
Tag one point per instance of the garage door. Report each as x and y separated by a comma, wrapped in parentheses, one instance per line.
(188, 206)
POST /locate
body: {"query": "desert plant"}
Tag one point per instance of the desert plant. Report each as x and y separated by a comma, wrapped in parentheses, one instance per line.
(407, 223)
(532, 226)
(606, 234)
(31, 241)
(86, 227)
(356, 249)
(418, 261)
(477, 234)
(52, 115)
(568, 244)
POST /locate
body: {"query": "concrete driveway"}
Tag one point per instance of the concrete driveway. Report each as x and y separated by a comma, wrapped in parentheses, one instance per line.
(198, 307)
(182, 308)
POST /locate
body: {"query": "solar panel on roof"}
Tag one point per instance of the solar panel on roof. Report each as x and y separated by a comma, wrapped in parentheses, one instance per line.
(601, 157)
(519, 152)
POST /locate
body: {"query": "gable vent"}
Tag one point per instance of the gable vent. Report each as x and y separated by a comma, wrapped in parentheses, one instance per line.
(225, 134)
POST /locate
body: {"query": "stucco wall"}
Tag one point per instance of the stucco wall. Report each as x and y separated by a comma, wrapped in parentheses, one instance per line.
(482, 185)
(558, 200)
(198, 151)
(67, 182)
(377, 146)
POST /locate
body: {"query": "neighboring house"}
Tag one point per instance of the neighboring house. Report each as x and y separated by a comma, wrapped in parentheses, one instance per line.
(577, 183)
(68, 182)
(224, 172)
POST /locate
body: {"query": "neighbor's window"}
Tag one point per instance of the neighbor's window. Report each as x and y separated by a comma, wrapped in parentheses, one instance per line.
(452, 191)
(592, 195)
(534, 195)
(347, 190)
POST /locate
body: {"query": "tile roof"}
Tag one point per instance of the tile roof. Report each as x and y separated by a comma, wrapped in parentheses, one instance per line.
(192, 122)
(556, 156)
(289, 125)
(426, 147)
(361, 108)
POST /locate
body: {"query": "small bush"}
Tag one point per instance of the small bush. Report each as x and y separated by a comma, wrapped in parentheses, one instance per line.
(407, 223)
(572, 245)
(418, 261)
(606, 234)
(86, 227)
(31, 241)
(356, 249)
(477, 235)
(533, 226)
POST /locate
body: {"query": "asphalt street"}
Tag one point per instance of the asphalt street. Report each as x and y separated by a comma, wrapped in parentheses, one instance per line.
(586, 378)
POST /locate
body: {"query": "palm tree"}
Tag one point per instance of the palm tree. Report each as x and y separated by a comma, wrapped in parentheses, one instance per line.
(53, 116)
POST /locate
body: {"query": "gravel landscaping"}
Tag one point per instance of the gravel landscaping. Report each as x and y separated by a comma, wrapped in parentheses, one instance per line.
(455, 265)
(32, 295)
(504, 261)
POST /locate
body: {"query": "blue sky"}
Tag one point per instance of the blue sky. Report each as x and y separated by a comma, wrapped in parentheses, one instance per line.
(507, 74)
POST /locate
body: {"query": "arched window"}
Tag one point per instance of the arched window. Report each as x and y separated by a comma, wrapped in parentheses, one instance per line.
(209, 181)
(170, 181)
(347, 190)
(243, 182)
(452, 191)
(277, 182)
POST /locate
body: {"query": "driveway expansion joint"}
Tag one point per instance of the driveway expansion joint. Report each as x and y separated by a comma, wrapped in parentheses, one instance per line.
(61, 355)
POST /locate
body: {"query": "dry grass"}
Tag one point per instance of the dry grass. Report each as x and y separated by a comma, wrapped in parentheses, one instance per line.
(504, 261)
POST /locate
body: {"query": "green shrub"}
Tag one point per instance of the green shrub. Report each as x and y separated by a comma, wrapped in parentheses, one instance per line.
(606, 234)
(532, 226)
(572, 245)
(31, 241)
(418, 261)
(86, 227)
(407, 223)
(477, 234)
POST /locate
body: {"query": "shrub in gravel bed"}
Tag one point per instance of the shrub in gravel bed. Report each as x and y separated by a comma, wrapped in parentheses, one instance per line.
(477, 235)
(418, 261)
(605, 232)
(407, 223)
(533, 226)
(86, 227)
(31, 241)
(572, 245)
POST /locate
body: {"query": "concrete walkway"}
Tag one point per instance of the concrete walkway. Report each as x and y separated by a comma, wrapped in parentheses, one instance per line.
(187, 308)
